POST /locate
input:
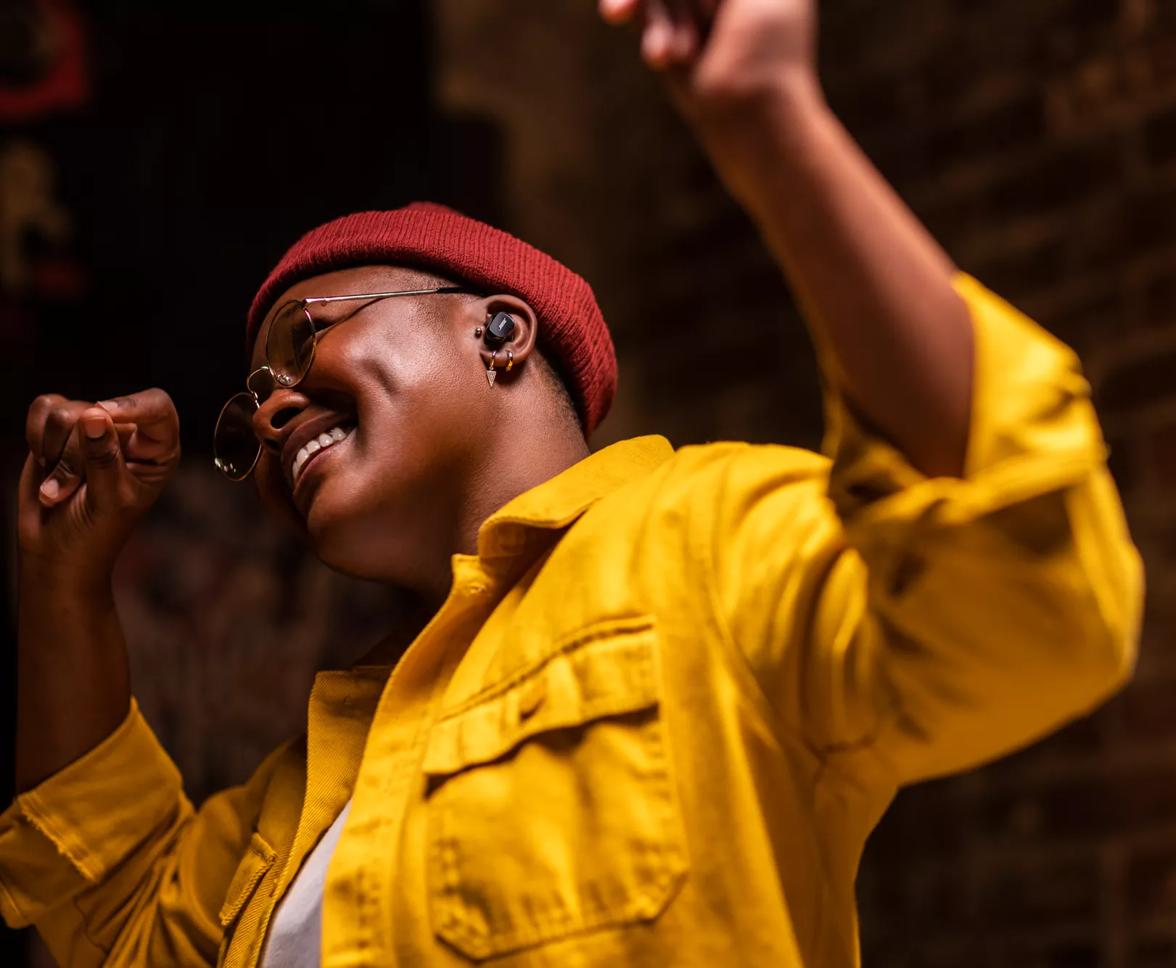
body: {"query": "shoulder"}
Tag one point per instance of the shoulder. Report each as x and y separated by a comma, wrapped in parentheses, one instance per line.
(716, 488)
(719, 471)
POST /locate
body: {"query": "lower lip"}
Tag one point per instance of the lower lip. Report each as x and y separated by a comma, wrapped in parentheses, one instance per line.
(314, 461)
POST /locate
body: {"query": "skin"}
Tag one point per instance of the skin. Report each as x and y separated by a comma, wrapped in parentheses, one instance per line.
(436, 450)
(876, 287)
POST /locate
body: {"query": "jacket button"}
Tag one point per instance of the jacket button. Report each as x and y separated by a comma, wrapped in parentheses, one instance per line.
(534, 692)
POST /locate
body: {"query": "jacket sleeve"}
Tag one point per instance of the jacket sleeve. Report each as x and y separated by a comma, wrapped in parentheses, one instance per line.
(108, 859)
(914, 626)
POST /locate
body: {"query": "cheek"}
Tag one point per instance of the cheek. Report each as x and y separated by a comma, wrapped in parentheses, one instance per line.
(425, 397)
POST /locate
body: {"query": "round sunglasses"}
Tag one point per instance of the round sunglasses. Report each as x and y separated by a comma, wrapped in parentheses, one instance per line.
(289, 354)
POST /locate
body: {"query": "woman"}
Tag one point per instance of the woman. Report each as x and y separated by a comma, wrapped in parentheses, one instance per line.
(663, 697)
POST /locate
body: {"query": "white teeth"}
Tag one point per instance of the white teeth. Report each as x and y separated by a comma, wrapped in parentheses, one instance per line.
(324, 440)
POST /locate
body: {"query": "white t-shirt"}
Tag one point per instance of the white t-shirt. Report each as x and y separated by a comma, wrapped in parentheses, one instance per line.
(296, 931)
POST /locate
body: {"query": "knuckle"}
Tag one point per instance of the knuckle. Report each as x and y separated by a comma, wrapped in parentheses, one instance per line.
(65, 468)
(38, 413)
(105, 456)
(43, 402)
(60, 416)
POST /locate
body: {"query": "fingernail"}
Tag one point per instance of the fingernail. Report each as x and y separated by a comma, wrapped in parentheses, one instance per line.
(94, 426)
(50, 488)
(108, 404)
(657, 43)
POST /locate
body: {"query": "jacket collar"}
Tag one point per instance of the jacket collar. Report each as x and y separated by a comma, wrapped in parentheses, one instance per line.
(560, 501)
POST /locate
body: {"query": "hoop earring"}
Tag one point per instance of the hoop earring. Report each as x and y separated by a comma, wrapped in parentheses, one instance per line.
(491, 374)
(509, 360)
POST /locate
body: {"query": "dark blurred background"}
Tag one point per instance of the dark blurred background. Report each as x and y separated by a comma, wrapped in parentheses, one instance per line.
(156, 159)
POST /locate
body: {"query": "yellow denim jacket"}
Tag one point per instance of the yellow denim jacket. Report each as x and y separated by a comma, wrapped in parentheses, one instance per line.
(656, 718)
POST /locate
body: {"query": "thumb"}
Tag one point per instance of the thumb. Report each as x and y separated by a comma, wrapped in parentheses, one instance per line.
(102, 453)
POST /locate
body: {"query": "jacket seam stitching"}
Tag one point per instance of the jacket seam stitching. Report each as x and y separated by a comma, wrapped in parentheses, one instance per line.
(77, 854)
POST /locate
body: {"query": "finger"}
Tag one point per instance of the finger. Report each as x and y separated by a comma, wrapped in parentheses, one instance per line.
(157, 433)
(69, 471)
(35, 419)
(657, 38)
(152, 410)
(106, 472)
(619, 11)
(688, 26)
(63, 464)
(30, 480)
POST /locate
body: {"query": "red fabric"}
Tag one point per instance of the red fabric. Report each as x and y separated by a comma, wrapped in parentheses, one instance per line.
(428, 236)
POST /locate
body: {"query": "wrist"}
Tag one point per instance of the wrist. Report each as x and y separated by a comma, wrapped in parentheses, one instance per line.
(38, 579)
(752, 138)
(740, 111)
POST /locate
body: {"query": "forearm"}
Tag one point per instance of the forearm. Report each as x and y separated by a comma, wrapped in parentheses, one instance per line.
(875, 287)
(72, 674)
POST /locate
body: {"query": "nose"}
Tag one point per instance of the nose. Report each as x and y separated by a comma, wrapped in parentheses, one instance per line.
(274, 414)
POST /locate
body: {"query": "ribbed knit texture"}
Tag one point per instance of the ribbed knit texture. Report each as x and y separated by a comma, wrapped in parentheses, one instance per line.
(428, 236)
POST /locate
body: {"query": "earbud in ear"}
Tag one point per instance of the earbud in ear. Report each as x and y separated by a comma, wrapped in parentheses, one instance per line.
(500, 330)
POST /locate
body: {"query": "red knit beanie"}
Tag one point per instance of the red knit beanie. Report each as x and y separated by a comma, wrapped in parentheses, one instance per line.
(428, 236)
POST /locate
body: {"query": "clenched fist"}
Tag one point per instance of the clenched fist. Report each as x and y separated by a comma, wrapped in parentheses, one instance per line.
(91, 473)
(721, 53)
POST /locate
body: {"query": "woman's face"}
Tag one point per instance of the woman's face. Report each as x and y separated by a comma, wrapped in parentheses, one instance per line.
(402, 379)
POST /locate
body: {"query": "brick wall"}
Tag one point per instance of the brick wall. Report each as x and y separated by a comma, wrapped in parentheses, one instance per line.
(1038, 140)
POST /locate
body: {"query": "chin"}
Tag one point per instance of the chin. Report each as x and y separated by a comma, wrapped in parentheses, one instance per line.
(354, 543)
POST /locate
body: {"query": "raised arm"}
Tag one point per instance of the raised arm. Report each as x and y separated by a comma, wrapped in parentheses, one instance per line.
(959, 579)
(101, 850)
(876, 288)
(86, 482)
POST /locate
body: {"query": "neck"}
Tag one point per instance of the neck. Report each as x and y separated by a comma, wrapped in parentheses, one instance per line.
(513, 462)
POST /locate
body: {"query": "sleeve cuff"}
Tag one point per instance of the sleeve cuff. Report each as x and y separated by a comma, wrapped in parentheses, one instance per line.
(86, 818)
(1033, 430)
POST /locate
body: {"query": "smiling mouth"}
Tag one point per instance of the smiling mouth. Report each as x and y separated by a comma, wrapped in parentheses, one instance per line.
(320, 444)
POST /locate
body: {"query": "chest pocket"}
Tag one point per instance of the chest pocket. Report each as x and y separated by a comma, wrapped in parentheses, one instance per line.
(551, 808)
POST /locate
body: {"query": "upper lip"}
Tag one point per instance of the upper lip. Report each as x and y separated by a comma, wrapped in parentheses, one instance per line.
(306, 432)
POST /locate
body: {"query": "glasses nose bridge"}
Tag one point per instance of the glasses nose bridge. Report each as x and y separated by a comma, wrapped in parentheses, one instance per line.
(261, 384)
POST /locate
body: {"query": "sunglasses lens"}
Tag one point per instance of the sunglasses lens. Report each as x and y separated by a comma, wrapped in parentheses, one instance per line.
(290, 344)
(234, 445)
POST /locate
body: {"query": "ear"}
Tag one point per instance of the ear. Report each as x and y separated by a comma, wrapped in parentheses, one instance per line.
(522, 342)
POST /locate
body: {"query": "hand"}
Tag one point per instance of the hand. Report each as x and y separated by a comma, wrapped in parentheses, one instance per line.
(721, 55)
(91, 473)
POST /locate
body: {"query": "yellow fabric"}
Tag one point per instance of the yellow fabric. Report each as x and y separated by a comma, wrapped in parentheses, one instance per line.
(655, 719)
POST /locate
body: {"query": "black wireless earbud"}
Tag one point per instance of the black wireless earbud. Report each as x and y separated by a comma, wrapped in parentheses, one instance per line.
(500, 330)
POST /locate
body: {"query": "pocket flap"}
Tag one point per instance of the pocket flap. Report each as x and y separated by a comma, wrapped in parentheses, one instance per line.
(259, 858)
(605, 670)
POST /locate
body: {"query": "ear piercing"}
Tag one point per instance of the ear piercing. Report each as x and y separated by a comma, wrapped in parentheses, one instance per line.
(492, 373)
(500, 330)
